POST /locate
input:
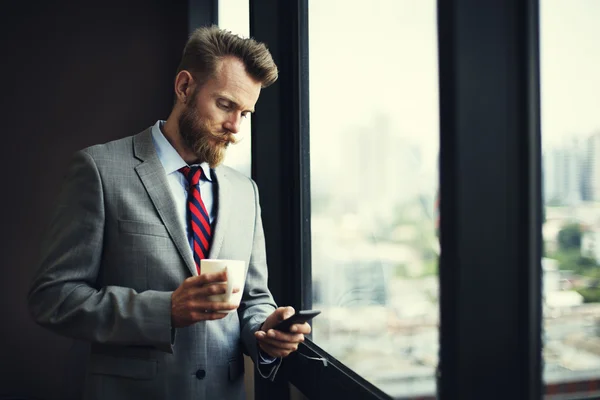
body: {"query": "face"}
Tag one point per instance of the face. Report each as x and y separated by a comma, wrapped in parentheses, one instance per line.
(211, 119)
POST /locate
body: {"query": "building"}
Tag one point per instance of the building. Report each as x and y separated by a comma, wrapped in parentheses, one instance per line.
(591, 169)
(563, 171)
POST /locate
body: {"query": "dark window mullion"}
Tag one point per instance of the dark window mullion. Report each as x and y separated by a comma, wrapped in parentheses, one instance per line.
(202, 13)
(280, 163)
(490, 200)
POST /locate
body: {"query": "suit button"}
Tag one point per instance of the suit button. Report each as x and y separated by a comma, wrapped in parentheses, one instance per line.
(200, 374)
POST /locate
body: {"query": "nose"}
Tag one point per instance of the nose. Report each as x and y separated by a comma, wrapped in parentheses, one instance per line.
(233, 123)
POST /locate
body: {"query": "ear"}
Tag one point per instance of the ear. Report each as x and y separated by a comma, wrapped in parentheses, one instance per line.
(184, 86)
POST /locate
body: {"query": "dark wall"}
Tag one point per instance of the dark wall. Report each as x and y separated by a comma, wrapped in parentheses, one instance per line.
(72, 75)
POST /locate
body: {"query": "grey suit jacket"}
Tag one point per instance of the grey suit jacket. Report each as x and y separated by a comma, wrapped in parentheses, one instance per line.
(114, 253)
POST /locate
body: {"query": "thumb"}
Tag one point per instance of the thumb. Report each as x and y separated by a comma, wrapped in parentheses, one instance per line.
(286, 312)
(277, 316)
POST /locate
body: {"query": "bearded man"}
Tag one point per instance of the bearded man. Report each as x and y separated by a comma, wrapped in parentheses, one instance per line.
(120, 264)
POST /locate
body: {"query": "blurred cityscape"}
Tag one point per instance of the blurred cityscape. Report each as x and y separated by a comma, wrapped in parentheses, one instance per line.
(375, 253)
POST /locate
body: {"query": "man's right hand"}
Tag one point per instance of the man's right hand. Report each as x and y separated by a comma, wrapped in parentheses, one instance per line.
(190, 303)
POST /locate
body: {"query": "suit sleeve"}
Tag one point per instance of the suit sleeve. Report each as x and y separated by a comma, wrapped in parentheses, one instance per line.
(64, 296)
(257, 303)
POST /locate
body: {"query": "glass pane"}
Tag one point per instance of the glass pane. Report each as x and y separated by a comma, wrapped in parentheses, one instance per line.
(374, 146)
(570, 83)
(234, 16)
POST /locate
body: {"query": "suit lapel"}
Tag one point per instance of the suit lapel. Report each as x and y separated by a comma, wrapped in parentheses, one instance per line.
(223, 212)
(152, 175)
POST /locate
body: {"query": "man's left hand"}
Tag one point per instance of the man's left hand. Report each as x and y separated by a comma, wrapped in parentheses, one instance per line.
(277, 343)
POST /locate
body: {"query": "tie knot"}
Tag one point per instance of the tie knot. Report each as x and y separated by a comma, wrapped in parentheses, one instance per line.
(192, 174)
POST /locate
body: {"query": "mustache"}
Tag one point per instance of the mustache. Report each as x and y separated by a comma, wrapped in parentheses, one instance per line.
(224, 137)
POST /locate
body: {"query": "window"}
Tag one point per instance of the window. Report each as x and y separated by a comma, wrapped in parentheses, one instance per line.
(570, 102)
(373, 151)
(233, 16)
(490, 190)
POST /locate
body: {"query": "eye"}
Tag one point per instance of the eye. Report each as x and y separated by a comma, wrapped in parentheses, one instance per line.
(245, 114)
(225, 105)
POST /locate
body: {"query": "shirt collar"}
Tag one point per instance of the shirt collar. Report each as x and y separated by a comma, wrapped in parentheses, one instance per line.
(168, 156)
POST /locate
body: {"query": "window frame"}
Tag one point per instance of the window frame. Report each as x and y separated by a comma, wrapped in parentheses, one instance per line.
(281, 165)
(202, 13)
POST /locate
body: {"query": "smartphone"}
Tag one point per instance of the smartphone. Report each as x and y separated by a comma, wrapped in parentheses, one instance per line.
(298, 318)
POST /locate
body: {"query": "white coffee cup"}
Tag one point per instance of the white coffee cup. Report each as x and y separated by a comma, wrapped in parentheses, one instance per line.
(236, 278)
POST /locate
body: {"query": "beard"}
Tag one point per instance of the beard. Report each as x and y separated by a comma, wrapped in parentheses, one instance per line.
(197, 135)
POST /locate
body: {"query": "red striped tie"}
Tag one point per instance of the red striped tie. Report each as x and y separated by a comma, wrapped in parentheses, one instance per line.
(197, 216)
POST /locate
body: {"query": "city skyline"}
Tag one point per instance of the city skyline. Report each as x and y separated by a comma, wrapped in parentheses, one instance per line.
(571, 171)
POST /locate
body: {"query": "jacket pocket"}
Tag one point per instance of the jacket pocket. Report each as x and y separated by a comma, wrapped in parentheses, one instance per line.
(236, 368)
(134, 368)
(142, 228)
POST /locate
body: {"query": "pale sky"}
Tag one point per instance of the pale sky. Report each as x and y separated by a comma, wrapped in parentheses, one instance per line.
(570, 68)
(381, 60)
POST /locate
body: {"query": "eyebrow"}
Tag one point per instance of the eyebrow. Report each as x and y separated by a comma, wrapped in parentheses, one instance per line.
(235, 103)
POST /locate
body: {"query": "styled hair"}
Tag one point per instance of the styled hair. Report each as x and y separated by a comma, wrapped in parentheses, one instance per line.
(208, 45)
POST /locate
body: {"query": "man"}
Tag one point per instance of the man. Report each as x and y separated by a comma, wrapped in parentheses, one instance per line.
(120, 265)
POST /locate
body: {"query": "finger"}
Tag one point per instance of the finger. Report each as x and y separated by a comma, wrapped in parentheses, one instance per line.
(210, 290)
(274, 336)
(285, 312)
(276, 347)
(285, 336)
(203, 279)
(276, 344)
(277, 316)
(303, 328)
(192, 294)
